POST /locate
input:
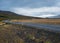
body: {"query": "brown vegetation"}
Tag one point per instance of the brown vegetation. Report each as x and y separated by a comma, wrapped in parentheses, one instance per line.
(10, 33)
(43, 21)
(1, 23)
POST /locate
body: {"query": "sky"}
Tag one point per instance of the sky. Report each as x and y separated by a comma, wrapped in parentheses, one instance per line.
(36, 8)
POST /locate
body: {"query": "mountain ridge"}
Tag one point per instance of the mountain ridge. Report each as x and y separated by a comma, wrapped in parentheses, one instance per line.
(12, 15)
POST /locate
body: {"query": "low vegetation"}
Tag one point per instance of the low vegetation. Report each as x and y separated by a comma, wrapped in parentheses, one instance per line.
(10, 33)
(41, 21)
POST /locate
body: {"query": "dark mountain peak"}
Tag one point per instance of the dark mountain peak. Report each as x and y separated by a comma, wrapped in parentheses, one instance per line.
(7, 12)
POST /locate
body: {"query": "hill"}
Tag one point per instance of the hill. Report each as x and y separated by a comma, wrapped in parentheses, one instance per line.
(56, 16)
(12, 15)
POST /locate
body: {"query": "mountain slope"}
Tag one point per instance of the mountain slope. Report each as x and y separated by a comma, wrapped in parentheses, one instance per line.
(12, 15)
(56, 17)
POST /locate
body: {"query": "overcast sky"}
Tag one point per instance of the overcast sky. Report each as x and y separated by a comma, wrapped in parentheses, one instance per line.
(38, 8)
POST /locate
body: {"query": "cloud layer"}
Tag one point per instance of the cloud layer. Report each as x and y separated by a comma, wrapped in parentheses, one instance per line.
(38, 12)
(38, 8)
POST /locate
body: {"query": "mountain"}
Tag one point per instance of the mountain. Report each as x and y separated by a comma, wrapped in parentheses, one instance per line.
(12, 15)
(58, 16)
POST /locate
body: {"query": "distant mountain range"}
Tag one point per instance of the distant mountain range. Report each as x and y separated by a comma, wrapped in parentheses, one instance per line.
(56, 16)
(12, 15)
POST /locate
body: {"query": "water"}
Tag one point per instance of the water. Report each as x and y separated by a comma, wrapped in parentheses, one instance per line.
(43, 26)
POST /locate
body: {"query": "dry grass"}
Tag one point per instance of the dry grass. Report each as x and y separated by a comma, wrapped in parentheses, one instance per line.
(1, 23)
(44, 21)
(10, 33)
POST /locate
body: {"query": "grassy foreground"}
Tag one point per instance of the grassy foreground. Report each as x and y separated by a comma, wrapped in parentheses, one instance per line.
(10, 33)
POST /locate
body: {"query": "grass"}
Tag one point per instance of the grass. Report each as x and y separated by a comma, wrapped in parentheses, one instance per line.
(43, 21)
(10, 33)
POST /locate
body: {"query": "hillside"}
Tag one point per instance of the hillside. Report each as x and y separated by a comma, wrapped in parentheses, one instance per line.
(56, 16)
(12, 15)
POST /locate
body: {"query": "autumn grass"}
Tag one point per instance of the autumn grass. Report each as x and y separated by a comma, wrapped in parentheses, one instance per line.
(10, 33)
(43, 21)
